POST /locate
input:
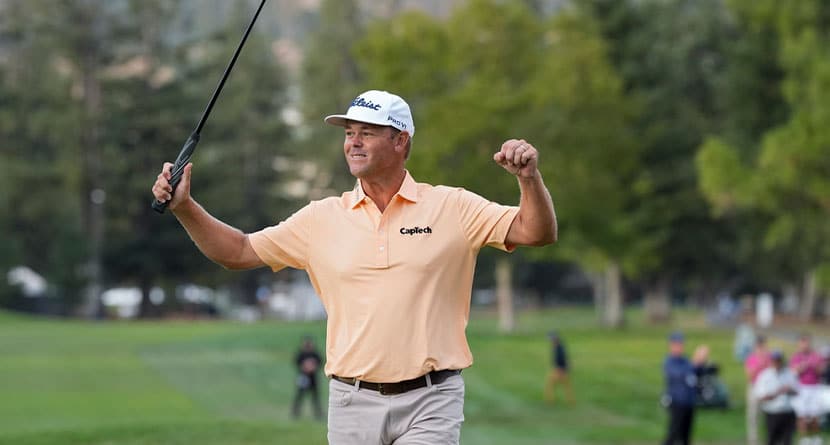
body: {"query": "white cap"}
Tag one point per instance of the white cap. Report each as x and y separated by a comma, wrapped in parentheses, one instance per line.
(379, 108)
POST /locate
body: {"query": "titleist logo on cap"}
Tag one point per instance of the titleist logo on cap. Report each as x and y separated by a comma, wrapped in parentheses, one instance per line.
(361, 102)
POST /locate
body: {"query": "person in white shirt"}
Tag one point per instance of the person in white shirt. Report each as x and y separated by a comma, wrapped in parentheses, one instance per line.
(774, 389)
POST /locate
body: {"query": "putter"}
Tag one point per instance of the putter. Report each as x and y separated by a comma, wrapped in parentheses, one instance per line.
(190, 145)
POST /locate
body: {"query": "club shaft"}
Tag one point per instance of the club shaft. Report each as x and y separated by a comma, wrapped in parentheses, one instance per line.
(187, 151)
(228, 69)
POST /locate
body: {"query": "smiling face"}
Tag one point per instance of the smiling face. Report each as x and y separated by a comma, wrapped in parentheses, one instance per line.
(372, 150)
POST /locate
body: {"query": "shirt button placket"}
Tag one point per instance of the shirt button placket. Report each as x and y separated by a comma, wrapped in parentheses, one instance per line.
(381, 242)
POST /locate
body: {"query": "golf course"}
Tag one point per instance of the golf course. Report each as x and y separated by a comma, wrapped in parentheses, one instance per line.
(218, 382)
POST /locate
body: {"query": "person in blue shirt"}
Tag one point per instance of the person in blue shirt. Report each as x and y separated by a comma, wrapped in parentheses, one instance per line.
(680, 392)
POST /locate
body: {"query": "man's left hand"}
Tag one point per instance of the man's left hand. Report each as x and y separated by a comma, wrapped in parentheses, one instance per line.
(518, 157)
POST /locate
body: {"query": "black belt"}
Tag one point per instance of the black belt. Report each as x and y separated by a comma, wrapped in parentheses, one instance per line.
(435, 377)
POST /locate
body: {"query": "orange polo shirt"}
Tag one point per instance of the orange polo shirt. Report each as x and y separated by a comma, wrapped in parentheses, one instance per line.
(396, 285)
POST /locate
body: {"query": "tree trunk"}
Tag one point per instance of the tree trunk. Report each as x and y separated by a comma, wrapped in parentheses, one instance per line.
(790, 299)
(614, 298)
(504, 294)
(92, 192)
(657, 302)
(146, 309)
(608, 298)
(600, 292)
(809, 297)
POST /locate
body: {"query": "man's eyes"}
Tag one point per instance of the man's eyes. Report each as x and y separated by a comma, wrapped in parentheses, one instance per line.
(364, 134)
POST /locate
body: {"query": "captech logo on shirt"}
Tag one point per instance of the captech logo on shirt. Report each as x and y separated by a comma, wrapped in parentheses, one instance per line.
(415, 230)
(361, 102)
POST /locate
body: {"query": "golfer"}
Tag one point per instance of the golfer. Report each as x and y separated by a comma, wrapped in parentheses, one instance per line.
(392, 261)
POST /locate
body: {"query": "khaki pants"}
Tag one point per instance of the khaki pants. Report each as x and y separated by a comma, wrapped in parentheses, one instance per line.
(558, 377)
(751, 417)
(430, 416)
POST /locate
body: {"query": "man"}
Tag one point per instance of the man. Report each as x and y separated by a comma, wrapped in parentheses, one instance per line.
(392, 261)
(680, 392)
(774, 390)
(808, 366)
(308, 362)
(559, 370)
(758, 360)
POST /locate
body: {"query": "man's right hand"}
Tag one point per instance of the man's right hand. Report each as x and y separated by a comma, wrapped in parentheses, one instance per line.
(163, 191)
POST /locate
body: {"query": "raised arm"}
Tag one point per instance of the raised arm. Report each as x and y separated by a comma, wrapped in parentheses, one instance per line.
(221, 243)
(535, 224)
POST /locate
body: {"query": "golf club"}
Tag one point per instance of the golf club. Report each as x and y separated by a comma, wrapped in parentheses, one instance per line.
(193, 140)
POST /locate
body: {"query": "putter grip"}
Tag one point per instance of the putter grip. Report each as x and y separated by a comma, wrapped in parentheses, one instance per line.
(178, 169)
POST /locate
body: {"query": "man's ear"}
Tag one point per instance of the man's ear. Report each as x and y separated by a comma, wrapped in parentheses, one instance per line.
(402, 143)
(401, 139)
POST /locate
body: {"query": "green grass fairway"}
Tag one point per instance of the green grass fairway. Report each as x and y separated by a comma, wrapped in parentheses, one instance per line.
(110, 383)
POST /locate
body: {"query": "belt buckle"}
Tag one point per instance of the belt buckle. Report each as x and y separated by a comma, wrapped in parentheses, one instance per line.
(380, 389)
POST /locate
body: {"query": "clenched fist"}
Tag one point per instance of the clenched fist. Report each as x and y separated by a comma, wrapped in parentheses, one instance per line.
(518, 157)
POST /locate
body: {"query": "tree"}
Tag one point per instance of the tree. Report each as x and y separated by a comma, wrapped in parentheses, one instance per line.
(495, 71)
(38, 175)
(153, 96)
(787, 180)
(93, 105)
(673, 58)
(581, 111)
(329, 82)
(81, 39)
(247, 133)
(157, 107)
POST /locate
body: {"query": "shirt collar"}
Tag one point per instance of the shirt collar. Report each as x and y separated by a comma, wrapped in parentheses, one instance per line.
(408, 191)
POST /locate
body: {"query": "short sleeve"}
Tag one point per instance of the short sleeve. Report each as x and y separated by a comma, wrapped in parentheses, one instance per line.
(484, 222)
(286, 244)
(761, 388)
